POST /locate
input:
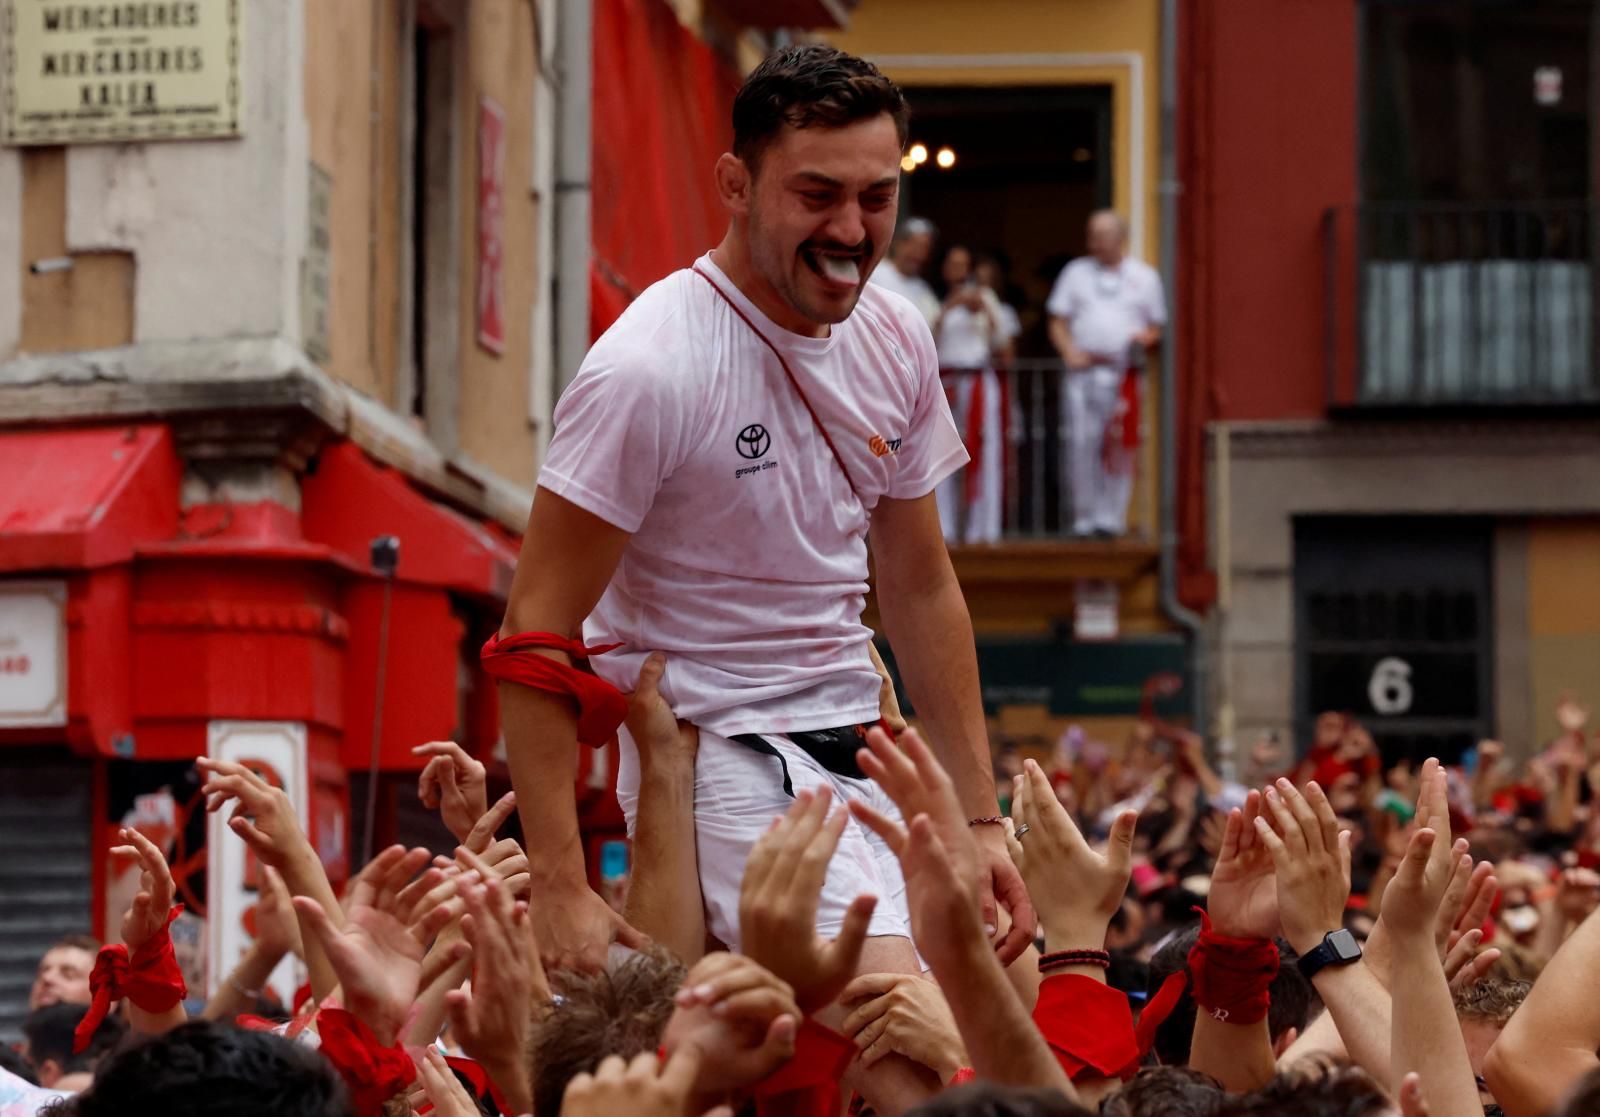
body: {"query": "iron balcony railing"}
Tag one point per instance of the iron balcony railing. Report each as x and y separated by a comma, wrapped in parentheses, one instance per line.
(1033, 474)
(1469, 304)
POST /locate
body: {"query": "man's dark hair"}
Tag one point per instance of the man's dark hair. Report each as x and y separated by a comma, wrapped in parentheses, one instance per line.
(811, 86)
(1293, 998)
(12, 1061)
(621, 1011)
(49, 1031)
(986, 1099)
(200, 1068)
(1325, 1090)
(1160, 1091)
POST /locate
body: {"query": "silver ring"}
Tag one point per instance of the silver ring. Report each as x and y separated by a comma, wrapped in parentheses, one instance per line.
(1021, 830)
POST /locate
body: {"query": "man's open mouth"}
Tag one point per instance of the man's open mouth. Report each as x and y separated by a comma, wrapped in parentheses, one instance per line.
(841, 269)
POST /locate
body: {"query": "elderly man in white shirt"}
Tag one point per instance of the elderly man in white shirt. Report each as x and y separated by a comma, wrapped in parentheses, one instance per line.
(901, 270)
(1103, 308)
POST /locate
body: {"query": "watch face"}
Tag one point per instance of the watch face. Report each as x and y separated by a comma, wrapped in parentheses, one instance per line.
(1344, 946)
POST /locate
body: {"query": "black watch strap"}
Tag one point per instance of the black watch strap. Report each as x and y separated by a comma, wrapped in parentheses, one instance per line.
(1337, 948)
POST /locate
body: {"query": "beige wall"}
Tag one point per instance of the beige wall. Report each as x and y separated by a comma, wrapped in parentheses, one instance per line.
(493, 397)
(370, 166)
(1538, 480)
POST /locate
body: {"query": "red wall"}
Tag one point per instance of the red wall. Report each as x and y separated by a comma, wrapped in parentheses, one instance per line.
(1267, 142)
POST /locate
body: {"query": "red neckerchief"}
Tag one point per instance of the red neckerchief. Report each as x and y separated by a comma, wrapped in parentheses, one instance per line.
(601, 706)
(372, 1072)
(149, 977)
(1232, 977)
(1088, 1026)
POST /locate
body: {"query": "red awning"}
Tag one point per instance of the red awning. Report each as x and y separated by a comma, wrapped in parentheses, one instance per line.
(85, 497)
(350, 500)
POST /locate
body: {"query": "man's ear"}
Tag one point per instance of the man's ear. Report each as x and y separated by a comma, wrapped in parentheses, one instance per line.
(734, 183)
(48, 1073)
(1285, 1042)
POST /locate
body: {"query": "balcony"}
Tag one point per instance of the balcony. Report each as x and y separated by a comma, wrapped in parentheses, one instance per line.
(1470, 305)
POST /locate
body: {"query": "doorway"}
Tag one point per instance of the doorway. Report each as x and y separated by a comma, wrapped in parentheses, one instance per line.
(1029, 164)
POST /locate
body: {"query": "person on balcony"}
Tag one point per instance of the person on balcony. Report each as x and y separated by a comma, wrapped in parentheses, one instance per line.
(901, 270)
(1106, 311)
(971, 337)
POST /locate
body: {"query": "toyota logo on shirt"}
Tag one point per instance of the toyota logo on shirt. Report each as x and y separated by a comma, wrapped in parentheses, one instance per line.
(753, 442)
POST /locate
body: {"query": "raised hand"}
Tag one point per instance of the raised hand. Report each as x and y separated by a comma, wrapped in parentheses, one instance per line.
(778, 902)
(1577, 894)
(454, 784)
(1075, 890)
(1412, 900)
(441, 1087)
(377, 954)
(739, 1011)
(147, 915)
(902, 1014)
(1244, 892)
(913, 778)
(491, 1022)
(1571, 714)
(264, 817)
(1311, 862)
(1464, 967)
(642, 1088)
(655, 729)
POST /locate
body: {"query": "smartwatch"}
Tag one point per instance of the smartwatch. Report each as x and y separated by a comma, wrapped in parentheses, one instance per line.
(1337, 948)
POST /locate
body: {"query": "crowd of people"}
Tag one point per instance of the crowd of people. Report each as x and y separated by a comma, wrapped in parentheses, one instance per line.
(827, 910)
(1448, 913)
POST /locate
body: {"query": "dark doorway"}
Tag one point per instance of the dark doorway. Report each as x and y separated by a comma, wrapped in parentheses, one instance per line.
(1031, 164)
(1393, 625)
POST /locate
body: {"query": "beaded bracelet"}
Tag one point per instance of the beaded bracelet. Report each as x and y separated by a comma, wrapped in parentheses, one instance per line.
(1059, 958)
(991, 820)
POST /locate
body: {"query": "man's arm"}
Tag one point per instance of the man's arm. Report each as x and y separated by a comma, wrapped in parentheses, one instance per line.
(1551, 1041)
(1061, 338)
(925, 615)
(568, 558)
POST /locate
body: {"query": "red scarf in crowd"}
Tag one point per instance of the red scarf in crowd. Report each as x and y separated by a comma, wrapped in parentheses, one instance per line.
(372, 1072)
(1088, 1026)
(149, 977)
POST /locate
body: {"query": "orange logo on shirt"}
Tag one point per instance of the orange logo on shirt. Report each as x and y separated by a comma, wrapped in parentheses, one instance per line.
(879, 446)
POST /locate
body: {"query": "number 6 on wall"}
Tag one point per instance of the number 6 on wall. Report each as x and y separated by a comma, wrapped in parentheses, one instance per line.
(1389, 690)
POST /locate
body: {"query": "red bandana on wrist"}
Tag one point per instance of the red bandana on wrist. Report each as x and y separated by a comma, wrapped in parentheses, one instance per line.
(149, 977)
(1088, 1026)
(1232, 977)
(601, 706)
(372, 1072)
(816, 1068)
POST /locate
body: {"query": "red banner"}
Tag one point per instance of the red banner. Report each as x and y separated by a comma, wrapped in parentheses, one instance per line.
(491, 226)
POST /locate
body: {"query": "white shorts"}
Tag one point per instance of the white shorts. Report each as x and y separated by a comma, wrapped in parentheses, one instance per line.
(737, 794)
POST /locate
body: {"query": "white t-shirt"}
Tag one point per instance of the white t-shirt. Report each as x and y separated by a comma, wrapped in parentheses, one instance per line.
(967, 339)
(1104, 306)
(912, 287)
(747, 562)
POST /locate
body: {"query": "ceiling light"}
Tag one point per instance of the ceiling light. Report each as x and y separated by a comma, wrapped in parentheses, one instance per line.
(946, 158)
(907, 164)
(918, 154)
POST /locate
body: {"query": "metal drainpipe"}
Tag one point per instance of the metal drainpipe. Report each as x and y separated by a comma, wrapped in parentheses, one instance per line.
(575, 71)
(1170, 188)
